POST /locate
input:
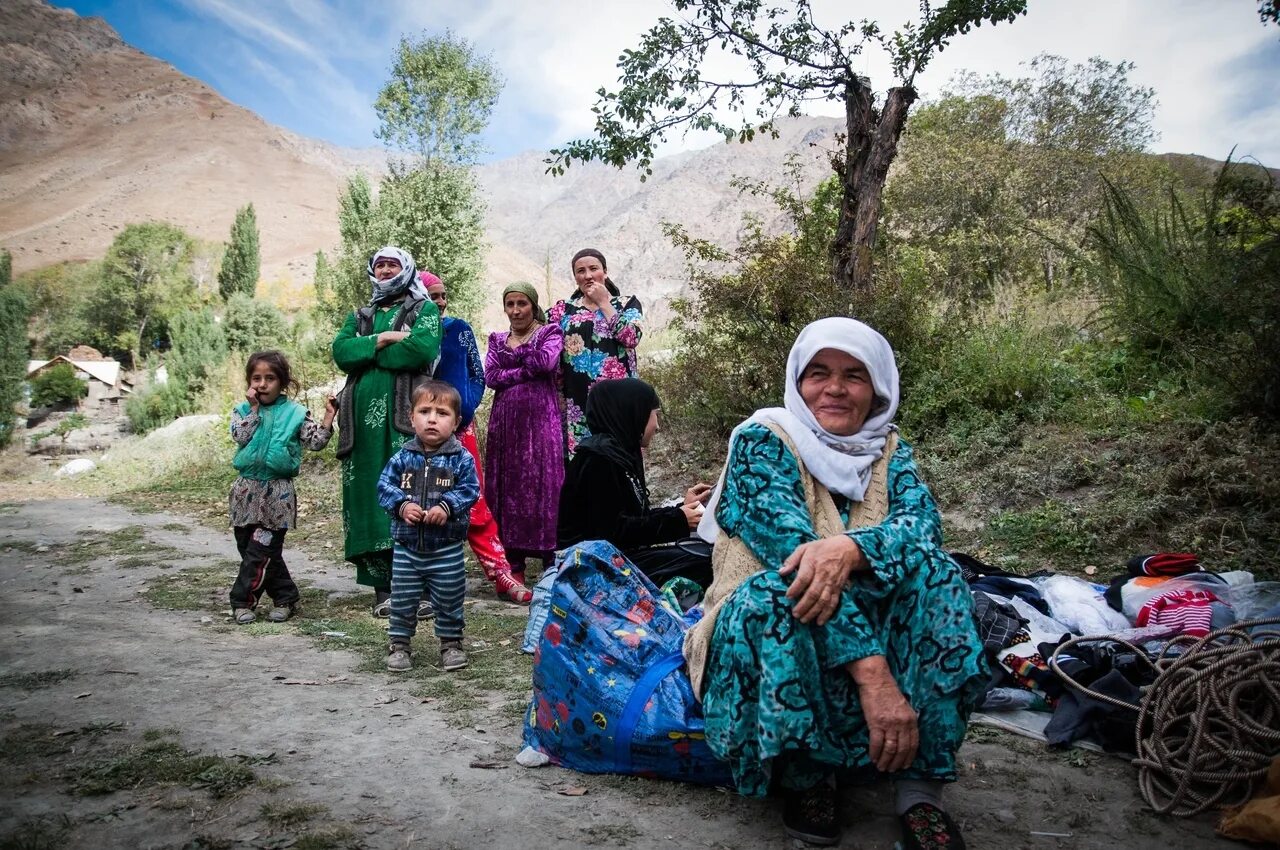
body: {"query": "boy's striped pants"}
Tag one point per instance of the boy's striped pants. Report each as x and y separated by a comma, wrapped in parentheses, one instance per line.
(439, 573)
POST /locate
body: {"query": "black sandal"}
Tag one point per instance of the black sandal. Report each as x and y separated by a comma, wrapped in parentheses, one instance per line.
(382, 604)
(811, 815)
(927, 827)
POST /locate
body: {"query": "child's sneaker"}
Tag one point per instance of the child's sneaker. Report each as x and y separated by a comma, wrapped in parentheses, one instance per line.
(451, 655)
(244, 616)
(280, 613)
(399, 658)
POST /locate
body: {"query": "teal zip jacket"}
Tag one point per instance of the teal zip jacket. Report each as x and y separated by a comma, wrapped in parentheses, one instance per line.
(275, 450)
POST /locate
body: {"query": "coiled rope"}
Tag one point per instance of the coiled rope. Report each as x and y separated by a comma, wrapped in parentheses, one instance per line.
(1209, 725)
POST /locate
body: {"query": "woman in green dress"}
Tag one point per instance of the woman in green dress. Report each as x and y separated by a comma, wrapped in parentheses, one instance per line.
(838, 636)
(385, 348)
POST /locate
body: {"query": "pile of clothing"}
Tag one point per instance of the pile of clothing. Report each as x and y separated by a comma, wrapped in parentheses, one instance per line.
(1022, 620)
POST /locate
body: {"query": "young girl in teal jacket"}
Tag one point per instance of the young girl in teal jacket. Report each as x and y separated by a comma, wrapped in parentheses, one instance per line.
(270, 430)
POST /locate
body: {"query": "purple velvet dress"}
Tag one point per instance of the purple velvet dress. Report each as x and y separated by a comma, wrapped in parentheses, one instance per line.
(524, 452)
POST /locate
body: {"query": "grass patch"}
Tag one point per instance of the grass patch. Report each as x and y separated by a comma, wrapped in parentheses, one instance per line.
(162, 763)
(35, 681)
(47, 832)
(192, 589)
(332, 838)
(128, 539)
(132, 562)
(290, 815)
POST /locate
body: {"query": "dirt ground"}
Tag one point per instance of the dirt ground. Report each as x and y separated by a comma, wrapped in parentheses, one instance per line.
(127, 724)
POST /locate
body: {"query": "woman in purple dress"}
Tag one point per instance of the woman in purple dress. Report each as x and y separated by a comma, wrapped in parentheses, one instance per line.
(524, 460)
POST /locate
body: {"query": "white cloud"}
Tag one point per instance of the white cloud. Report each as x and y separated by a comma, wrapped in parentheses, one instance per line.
(555, 54)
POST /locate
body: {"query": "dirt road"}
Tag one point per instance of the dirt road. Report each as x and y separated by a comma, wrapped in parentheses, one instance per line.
(128, 722)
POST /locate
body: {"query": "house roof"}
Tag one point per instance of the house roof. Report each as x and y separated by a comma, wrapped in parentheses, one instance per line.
(106, 371)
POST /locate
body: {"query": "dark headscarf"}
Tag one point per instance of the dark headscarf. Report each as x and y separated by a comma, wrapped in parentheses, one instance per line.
(617, 413)
(604, 264)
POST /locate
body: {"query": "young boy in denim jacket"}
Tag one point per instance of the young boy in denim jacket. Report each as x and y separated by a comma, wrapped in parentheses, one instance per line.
(428, 487)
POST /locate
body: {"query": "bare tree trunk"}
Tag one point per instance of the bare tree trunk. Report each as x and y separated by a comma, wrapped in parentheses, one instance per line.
(871, 142)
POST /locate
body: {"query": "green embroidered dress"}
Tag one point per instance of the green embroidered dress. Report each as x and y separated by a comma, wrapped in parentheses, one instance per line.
(365, 525)
(776, 686)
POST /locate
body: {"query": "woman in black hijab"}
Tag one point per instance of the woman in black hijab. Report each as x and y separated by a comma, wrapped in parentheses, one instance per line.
(605, 497)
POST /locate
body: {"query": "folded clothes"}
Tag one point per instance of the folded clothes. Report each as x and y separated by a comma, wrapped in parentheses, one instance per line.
(1164, 564)
(1191, 610)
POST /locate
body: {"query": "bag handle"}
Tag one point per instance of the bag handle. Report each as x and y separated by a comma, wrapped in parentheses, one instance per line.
(645, 686)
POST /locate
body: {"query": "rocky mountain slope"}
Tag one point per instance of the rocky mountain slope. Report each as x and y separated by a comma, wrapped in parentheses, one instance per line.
(98, 134)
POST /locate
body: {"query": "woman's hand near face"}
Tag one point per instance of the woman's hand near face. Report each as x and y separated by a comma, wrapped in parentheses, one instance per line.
(822, 568)
(388, 337)
(893, 733)
(596, 296)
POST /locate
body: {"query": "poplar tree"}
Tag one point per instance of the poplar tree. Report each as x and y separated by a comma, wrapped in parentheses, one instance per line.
(242, 262)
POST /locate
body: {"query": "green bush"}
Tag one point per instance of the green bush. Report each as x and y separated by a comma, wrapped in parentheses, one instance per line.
(56, 386)
(1192, 287)
(155, 406)
(251, 325)
(736, 328)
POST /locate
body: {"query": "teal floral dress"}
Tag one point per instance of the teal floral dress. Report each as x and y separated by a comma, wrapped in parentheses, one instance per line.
(595, 349)
(778, 704)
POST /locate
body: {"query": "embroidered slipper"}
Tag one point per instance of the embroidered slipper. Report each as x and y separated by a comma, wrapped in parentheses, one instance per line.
(927, 827)
(812, 816)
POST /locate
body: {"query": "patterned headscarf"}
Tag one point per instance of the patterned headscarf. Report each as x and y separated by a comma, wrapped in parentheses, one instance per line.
(529, 292)
(841, 464)
(393, 289)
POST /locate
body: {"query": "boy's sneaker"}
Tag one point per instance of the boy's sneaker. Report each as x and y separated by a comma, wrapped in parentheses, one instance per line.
(280, 613)
(451, 655)
(244, 616)
(399, 658)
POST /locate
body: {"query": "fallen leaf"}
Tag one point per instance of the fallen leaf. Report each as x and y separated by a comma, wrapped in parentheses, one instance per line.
(85, 694)
(77, 590)
(488, 765)
(398, 714)
(300, 682)
(572, 791)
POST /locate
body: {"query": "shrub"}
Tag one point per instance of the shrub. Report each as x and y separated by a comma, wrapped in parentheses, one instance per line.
(1193, 286)
(746, 307)
(250, 325)
(155, 406)
(57, 385)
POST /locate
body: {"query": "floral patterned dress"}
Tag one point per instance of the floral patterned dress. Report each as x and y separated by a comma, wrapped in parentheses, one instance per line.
(595, 349)
(778, 703)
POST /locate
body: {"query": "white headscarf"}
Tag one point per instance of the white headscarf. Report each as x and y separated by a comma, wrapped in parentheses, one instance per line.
(841, 464)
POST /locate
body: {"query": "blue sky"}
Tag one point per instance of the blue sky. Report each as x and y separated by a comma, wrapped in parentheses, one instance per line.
(315, 66)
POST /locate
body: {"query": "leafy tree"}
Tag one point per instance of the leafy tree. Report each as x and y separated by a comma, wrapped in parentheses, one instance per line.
(438, 99)
(250, 325)
(1269, 11)
(57, 385)
(787, 60)
(241, 262)
(13, 347)
(199, 350)
(999, 179)
(144, 281)
(58, 296)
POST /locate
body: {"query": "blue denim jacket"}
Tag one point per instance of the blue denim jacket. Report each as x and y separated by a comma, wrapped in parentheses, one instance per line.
(446, 477)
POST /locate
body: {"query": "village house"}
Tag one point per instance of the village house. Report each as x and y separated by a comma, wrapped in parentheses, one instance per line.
(105, 378)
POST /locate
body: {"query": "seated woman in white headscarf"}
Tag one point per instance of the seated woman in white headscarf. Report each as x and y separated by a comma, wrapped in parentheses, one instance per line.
(838, 635)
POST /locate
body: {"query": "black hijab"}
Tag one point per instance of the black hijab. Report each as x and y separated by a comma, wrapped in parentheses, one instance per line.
(617, 413)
